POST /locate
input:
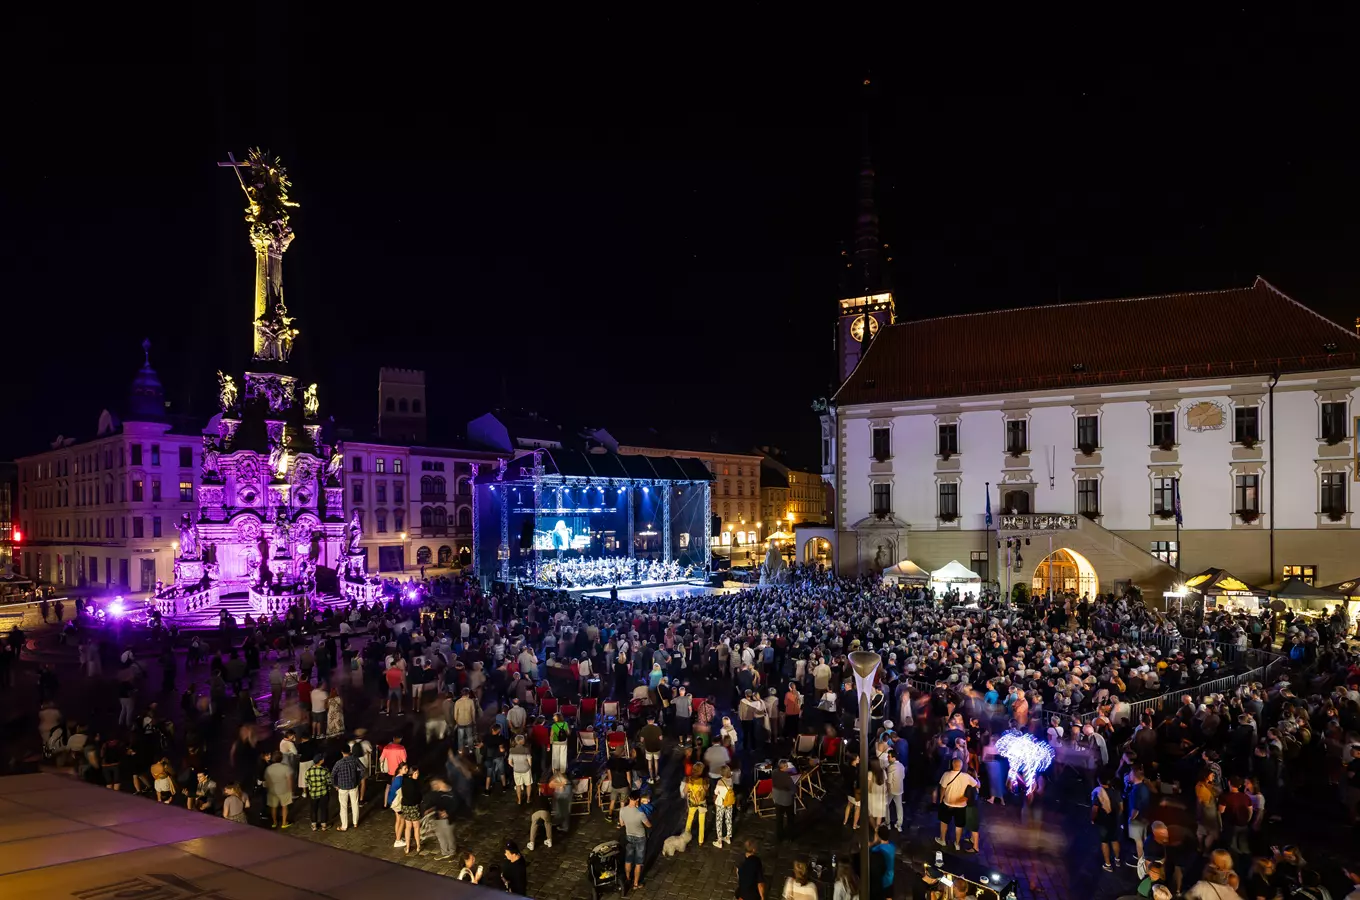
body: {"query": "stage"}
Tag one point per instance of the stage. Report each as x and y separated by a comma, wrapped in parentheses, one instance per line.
(651, 593)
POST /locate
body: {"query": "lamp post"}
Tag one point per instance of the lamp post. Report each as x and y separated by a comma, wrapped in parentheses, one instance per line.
(866, 665)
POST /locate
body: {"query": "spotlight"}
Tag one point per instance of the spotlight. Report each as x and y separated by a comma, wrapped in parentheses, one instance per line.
(644, 489)
(117, 607)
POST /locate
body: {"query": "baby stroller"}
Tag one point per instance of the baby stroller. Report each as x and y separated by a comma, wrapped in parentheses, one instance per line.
(604, 869)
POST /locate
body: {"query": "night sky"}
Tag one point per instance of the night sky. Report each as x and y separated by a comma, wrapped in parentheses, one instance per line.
(650, 241)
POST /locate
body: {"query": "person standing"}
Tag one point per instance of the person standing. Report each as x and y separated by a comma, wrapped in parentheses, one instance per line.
(650, 735)
(441, 799)
(1105, 816)
(897, 780)
(514, 874)
(783, 796)
(278, 782)
(882, 864)
(696, 797)
(684, 716)
(953, 801)
(750, 875)
(319, 699)
(724, 801)
(465, 720)
(347, 774)
(319, 792)
(635, 824)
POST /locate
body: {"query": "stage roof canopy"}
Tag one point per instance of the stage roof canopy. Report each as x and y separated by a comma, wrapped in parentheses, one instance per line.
(63, 838)
(602, 467)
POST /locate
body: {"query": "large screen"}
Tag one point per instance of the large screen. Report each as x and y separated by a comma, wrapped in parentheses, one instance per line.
(562, 533)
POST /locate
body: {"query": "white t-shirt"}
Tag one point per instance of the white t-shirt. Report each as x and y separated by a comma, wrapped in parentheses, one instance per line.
(319, 698)
(952, 786)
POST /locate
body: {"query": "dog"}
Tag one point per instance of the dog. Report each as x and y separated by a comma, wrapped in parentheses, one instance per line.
(676, 844)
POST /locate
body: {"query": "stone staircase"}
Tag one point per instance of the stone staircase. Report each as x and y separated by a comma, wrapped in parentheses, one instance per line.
(1114, 558)
(238, 604)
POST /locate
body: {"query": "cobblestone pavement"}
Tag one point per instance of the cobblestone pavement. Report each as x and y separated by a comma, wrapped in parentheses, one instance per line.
(1050, 849)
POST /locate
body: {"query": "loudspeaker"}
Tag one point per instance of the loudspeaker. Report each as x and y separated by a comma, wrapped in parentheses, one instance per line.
(526, 536)
(715, 527)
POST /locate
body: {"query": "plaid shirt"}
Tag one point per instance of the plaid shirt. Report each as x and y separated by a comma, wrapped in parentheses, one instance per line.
(347, 773)
(318, 781)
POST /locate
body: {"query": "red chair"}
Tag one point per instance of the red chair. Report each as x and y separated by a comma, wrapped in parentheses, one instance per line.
(831, 755)
(548, 707)
(589, 705)
(762, 798)
(617, 741)
(571, 712)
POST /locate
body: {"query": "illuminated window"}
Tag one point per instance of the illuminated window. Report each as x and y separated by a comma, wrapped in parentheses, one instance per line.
(186, 491)
(1168, 552)
(137, 491)
(396, 467)
(1247, 493)
(380, 465)
(727, 538)
(1306, 574)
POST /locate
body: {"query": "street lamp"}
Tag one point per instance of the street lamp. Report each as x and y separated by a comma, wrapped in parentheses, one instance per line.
(403, 551)
(866, 664)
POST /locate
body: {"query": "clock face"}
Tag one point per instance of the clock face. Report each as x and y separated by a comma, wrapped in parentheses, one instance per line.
(858, 325)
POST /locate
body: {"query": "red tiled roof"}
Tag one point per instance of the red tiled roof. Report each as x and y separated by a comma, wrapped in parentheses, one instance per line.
(1255, 330)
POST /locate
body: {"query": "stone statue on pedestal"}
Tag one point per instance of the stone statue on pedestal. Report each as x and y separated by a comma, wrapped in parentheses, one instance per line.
(773, 570)
(188, 537)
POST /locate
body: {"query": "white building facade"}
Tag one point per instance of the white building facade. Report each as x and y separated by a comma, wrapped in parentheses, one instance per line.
(1083, 424)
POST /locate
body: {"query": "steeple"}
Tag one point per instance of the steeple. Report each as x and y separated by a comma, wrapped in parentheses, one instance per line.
(868, 270)
(146, 400)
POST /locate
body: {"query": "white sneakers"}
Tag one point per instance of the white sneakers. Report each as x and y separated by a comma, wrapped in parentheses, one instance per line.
(548, 843)
(717, 845)
(398, 843)
(528, 846)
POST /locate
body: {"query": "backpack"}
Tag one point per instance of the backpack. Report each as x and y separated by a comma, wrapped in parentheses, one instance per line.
(728, 796)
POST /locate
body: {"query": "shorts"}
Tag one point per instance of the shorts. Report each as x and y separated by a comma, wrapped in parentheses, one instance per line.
(394, 693)
(635, 851)
(276, 800)
(111, 774)
(653, 755)
(1137, 829)
(164, 786)
(1107, 832)
(410, 813)
(619, 794)
(524, 779)
(318, 718)
(955, 814)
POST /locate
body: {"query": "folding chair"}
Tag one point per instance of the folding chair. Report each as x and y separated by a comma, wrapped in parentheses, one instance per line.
(571, 712)
(587, 745)
(589, 710)
(617, 741)
(582, 795)
(805, 745)
(609, 710)
(547, 706)
(762, 798)
(831, 755)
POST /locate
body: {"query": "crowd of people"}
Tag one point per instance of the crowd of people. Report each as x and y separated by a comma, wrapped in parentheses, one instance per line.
(719, 696)
(605, 571)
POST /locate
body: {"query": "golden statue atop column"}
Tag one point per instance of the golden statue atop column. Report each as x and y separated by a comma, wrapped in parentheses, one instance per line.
(266, 184)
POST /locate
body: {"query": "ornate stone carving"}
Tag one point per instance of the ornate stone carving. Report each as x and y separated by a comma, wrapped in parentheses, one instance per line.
(335, 465)
(248, 470)
(227, 392)
(1038, 523)
(278, 455)
(188, 537)
(248, 495)
(278, 497)
(248, 530)
(310, 404)
(210, 496)
(277, 390)
(212, 465)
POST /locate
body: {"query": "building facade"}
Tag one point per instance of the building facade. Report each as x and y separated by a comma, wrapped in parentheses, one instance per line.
(414, 503)
(1090, 429)
(103, 511)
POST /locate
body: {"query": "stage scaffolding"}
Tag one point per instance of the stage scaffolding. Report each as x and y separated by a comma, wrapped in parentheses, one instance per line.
(548, 510)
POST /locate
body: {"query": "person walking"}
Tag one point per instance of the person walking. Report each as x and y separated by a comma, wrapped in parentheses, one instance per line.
(750, 874)
(347, 774)
(278, 782)
(724, 802)
(799, 885)
(1105, 816)
(444, 802)
(696, 796)
(318, 783)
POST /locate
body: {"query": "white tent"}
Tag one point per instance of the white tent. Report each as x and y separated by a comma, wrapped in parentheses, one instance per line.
(905, 572)
(955, 577)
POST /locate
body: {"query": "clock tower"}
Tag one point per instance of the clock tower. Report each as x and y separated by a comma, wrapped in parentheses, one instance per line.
(866, 305)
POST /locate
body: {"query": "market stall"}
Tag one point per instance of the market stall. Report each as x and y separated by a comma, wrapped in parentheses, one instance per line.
(1349, 592)
(1219, 589)
(956, 577)
(906, 573)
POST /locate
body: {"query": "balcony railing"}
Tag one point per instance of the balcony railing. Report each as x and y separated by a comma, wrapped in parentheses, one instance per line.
(434, 497)
(435, 531)
(1038, 522)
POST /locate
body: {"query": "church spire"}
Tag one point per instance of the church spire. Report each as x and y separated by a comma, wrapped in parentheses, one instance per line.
(867, 262)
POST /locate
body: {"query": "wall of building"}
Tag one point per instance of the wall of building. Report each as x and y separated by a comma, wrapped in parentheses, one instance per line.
(86, 509)
(1205, 459)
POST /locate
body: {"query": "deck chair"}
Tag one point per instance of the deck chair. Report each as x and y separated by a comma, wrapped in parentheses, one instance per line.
(762, 798)
(609, 710)
(582, 795)
(587, 745)
(547, 707)
(617, 741)
(571, 712)
(589, 710)
(805, 745)
(831, 755)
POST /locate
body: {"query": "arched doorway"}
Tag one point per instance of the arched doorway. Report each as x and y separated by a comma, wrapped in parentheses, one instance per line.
(817, 550)
(1067, 571)
(423, 556)
(445, 556)
(1016, 501)
(464, 556)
